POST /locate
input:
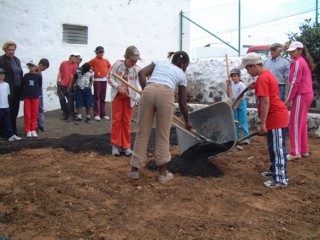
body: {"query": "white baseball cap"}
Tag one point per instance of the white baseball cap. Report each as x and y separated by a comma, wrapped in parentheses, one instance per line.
(250, 59)
(293, 46)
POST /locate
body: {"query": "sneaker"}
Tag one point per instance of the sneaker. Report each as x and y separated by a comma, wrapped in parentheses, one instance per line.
(127, 151)
(134, 175)
(164, 179)
(291, 157)
(88, 120)
(305, 154)
(41, 128)
(106, 117)
(78, 121)
(29, 135)
(115, 151)
(245, 142)
(65, 117)
(34, 134)
(274, 184)
(97, 118)
(14, 138)
(267, 174)
(70, 119)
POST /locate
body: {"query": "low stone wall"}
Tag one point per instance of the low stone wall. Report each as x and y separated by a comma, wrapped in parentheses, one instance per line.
(253, 120)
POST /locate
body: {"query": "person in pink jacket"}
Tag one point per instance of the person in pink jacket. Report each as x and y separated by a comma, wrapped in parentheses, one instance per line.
(299, 98)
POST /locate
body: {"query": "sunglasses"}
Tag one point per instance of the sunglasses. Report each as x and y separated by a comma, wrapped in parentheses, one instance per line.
(274, 49)
(248, 66)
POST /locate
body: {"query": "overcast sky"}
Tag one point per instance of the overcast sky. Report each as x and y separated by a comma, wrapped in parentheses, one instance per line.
(262, 22)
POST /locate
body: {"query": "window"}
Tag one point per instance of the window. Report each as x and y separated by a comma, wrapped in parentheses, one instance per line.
(75, 34)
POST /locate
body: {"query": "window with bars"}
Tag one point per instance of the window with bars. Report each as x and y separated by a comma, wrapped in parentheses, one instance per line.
(75, 34)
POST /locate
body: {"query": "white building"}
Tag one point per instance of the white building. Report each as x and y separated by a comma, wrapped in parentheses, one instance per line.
(37, 28)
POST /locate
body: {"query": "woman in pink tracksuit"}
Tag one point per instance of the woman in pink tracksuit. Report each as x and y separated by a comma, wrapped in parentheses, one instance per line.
(300, 97)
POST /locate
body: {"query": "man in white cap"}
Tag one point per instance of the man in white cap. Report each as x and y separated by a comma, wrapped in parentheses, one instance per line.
(273, 116)
(279, 67)
(64, 89)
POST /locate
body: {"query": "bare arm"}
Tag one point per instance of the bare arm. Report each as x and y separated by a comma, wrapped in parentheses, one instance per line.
(264, 106)
(182, 91)
(143, 73)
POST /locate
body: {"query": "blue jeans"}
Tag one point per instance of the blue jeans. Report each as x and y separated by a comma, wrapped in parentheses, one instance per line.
(240, 114)
(5, 122)
(282, 89)
(41, 112)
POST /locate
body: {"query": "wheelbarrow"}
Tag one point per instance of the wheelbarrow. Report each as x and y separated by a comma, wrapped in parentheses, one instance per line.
(215, 122)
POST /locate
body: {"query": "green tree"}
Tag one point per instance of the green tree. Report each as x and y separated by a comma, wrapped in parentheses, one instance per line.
(310, 37)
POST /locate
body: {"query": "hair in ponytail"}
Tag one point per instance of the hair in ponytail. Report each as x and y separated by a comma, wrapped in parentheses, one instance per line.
(180, 57)
(306, 55)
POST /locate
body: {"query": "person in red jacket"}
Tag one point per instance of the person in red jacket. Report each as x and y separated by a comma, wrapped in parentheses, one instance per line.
(273, 116)
(299, 98)
(101, 68)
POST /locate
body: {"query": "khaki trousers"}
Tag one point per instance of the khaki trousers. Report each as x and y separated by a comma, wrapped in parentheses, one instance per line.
(157, 101)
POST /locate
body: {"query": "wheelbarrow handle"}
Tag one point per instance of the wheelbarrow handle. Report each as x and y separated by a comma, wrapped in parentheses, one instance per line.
(248, 136)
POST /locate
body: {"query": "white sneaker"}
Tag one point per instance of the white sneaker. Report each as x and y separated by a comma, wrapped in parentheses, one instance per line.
(97, 118)
(29, 135)
(106, 117)
(305, 154)
(14, 138)
(115, 151)
(134, 175)
(291, 157)
(34, 134)
(127, 151)
(164, 179)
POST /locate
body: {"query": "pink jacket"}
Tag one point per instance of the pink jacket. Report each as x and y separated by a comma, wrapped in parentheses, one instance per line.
(300, 78)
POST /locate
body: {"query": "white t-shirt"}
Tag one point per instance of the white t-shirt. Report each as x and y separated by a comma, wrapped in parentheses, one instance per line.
(237, 89)
(4, 92)
(168, 74)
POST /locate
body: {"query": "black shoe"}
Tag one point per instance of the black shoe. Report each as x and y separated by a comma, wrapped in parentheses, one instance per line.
(70, 119)
(88, 120)
(78, 121)
(41, 128)
(65, 117)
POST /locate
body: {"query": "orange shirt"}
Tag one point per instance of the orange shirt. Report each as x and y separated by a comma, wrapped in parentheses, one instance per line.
(100, 66)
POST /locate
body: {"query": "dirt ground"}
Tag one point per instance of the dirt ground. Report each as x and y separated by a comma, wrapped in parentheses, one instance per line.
(66, 185)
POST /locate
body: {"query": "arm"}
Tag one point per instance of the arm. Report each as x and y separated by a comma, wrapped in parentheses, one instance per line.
(143, 73)
(264, 106)
(58, 76)
(182, 91)
(296, 74)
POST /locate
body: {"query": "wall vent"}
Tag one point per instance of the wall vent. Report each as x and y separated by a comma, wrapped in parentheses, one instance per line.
(75, 34)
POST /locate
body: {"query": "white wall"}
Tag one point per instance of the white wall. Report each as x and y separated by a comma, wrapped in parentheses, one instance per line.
(36, 27)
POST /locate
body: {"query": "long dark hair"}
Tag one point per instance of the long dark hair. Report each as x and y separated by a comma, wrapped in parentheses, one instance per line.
(178, 58)
(306, 55)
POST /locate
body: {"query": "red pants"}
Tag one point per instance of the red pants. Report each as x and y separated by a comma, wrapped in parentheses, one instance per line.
(298, 124)
(121, 121)
(31, 108)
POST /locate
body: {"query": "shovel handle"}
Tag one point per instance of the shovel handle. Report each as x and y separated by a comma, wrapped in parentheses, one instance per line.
(138, 91)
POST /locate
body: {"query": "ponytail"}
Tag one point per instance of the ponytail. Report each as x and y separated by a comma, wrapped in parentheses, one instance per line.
(306, 55)
(180, 57)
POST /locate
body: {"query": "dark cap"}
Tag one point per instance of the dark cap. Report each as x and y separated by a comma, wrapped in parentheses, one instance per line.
(275, 45)
(2, 70)
(99, 49)
(133, 53)
(235, 71)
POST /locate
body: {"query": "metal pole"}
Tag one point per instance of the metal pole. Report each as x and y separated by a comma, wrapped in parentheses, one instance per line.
(239, 37)
(316, 12)
(181, 33)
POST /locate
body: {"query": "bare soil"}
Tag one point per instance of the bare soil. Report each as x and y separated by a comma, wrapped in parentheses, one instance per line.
(66, 185)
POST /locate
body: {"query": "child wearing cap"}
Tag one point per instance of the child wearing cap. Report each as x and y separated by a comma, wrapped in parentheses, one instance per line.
(4, 108)
(300, 97)
(101, 67)
(122, 105)
(82, 81)
(32, 84)
(240, 108)
(273, 116)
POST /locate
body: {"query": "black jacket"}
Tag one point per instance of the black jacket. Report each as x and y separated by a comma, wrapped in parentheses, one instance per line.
(6, 65)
